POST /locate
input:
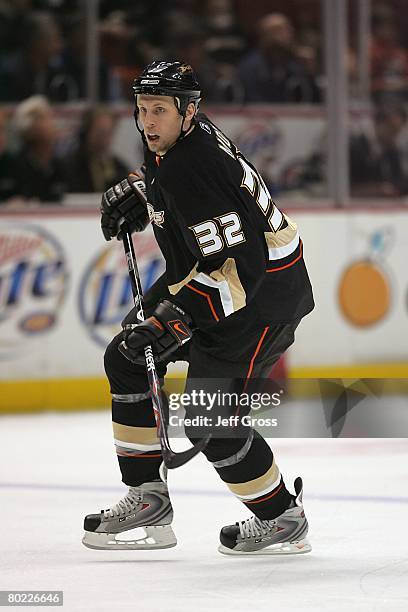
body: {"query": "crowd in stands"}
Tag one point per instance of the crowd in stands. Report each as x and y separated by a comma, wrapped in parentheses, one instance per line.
(378, 159)
(40, 163)
(43, 46)
(242, 52)
(40, 167)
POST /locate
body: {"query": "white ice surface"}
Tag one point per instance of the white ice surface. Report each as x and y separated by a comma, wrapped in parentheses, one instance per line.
(57, 468)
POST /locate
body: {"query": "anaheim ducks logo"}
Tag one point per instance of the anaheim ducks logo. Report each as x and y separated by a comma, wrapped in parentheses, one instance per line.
(156, 217)
(185, 69)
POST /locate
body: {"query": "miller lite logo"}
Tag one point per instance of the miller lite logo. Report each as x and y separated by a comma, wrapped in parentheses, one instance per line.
(105, 290)
(33, 286)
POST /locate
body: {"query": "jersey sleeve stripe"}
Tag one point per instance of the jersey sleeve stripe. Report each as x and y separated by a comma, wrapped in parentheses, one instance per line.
(291, 263)
(224, 280)
(222, 287)
(282, 251)
(228, 273)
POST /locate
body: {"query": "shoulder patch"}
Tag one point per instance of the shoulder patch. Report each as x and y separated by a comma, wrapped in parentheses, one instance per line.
(156, 217)
(205, 127)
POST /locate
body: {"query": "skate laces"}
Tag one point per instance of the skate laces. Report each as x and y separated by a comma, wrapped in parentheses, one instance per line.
(254, 527)
(125, 505)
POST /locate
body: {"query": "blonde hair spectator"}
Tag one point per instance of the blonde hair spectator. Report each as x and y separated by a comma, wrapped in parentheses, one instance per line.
(28, 114)
(39, 172)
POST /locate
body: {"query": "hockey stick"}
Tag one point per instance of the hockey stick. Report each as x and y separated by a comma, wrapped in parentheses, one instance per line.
(171, 458)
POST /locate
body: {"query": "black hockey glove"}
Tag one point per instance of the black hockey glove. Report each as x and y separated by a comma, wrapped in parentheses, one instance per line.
(125, 201)
(168, 328)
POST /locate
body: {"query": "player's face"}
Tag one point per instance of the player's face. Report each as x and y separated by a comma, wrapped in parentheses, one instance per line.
(161, 122)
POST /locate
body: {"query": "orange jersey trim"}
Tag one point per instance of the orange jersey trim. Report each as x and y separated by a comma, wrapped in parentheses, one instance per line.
(251, 364)
(291, 263)
(208, 297)
(258, 348)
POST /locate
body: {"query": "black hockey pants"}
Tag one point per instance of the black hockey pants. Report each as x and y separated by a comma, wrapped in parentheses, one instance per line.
(240, 455)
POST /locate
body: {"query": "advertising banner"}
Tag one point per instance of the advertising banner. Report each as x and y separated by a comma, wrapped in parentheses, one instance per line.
(64, 292)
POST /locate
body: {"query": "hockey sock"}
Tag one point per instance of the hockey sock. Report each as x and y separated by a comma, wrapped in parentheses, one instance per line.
(250, 472)
(134, 426)
(135, 434)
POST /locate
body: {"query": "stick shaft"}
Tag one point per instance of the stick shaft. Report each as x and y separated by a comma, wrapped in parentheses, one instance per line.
(170, 458)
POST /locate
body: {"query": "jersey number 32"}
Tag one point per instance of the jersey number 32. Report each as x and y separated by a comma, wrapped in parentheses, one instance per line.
(214, 234)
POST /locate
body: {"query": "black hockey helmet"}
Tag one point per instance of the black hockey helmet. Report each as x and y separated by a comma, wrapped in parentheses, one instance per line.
(170, 79)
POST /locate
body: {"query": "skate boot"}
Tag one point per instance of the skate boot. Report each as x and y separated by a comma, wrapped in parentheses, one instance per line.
(147, 507)
(284, 535)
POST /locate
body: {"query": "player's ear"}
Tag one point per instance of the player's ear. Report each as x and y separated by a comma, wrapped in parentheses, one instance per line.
(191, 110)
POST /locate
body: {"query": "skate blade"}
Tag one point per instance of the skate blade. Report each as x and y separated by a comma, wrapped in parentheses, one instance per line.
(153, 538)
(284, 548)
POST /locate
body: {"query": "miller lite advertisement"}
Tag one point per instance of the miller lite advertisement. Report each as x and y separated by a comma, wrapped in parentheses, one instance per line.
(34, 280)
(63, 294)
(105, 292)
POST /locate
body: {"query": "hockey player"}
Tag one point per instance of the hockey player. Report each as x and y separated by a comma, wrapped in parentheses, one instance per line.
(236, 279)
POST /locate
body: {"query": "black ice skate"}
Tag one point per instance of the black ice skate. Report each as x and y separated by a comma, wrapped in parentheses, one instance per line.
(147, 507)
(284, 535)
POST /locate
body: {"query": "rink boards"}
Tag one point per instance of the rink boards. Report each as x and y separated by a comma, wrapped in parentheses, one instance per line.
(64, 292)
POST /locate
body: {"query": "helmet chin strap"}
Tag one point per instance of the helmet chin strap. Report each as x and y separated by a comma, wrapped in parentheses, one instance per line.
(183, 133)
(139, 129)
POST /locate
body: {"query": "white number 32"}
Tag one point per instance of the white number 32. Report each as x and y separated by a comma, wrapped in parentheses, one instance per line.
(213, 234)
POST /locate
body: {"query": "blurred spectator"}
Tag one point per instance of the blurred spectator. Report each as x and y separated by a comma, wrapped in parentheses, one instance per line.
(376, 160)
(224, 39)
(272, 72)
(147, 22)
(389, 61)
(306, 175)
(36, 67)
(6, 178)
(124, 53)
(73, 67)
(93, 167)
(13, 14)
(37, 171)
(181, 12)
(307, 55)
(133, 34)
(218, 81)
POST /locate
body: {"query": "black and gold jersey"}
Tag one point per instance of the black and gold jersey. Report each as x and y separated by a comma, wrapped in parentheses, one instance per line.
(230, 252)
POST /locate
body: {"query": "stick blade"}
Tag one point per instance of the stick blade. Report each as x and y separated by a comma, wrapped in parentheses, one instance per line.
(174, 460)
